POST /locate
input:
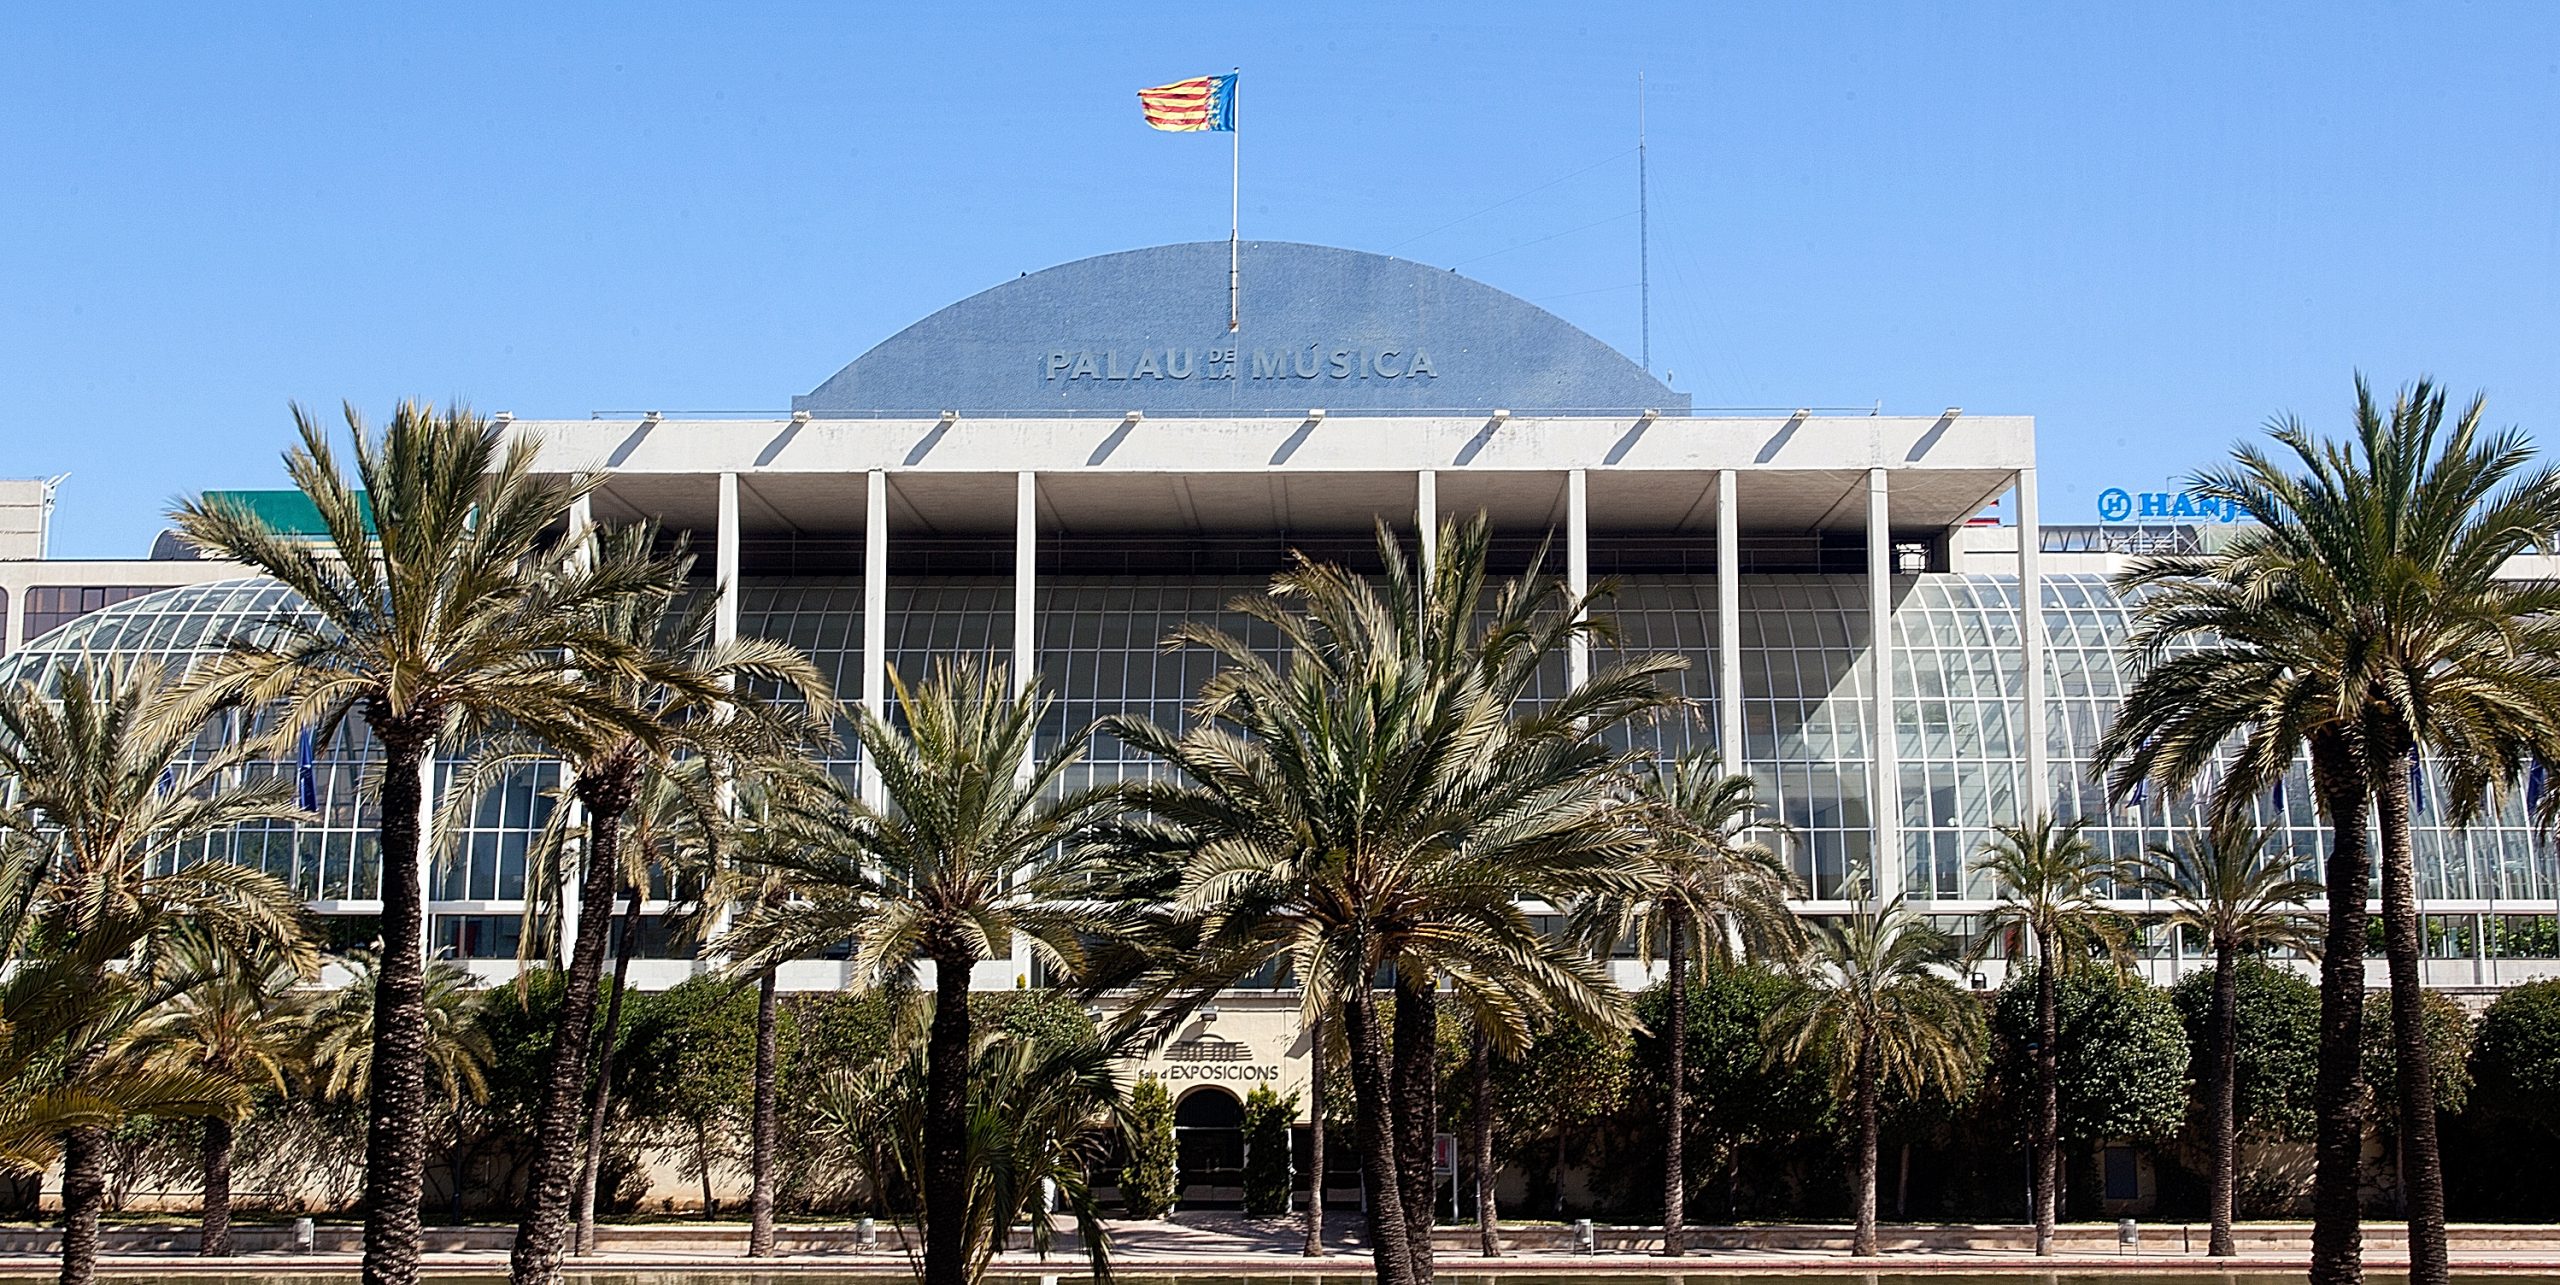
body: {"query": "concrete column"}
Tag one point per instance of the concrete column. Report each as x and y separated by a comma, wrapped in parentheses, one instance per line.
(1577, 564)
(1884, 790)
(1026, 577)
(1026, 645)
(875, 616)
(1426, 513)
(725, 564)
(1728, 622)
(425, 873)
(2031, 647)
(582, 514)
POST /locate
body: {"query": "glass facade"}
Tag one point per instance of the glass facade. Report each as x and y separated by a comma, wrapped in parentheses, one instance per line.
(1957, 681)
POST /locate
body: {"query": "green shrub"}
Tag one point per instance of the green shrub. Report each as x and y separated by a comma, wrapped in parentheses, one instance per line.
(1750, 1115)
(2515, 1058)
(2448, 1030)
(2277, 1021)
(2498, 1157)
(1267, 1117)
(692, 1073)
(1150, 1182)
(2120, 1048)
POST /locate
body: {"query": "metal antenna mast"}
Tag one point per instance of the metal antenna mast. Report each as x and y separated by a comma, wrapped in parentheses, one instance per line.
(1644, 241)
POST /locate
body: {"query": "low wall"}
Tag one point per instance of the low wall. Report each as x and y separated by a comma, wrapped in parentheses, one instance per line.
(1140, 1239)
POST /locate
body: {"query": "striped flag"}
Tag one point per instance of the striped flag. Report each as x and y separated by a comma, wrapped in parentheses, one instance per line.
(1188, 106)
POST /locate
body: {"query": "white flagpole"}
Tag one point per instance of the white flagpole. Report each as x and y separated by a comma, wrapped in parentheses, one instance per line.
(1235, 201)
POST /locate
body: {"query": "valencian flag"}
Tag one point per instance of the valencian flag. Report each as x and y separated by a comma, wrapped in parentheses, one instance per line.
(1200, 103)
(1208, 103)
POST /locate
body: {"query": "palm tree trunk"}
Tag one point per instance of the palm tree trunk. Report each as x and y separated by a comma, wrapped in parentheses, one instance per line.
(2421, 1169)
(946, 1123)
(1389, 1247)
(1314, 1247)
(84, 1196)
(767, 1119)
(559, 1124)
(2048, 1124)
(2337, 1235)
(1488, 1217)
(1675, 1155)
(1417, 1078)
(600, 1107)
(1864, 1240)
(395, 1148)
(214, 1241)
(2219, 1083)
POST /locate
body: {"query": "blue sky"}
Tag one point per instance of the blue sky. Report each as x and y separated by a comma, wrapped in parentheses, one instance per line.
(2150, 226)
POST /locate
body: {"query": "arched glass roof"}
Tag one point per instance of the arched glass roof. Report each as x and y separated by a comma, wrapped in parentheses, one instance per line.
(174, 626)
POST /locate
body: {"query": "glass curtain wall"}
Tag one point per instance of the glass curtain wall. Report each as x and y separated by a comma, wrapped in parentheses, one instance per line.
(1957, 685)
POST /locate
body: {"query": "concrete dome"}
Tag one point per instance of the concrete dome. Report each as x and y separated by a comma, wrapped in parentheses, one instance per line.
(1321, 327)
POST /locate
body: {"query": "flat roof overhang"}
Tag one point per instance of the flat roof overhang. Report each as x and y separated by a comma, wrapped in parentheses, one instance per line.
(956, 476)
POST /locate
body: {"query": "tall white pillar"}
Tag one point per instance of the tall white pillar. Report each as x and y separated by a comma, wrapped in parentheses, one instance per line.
(1426, 513)
(725, 562)
(425, 873)
(1026, 534)
(2031, 647)
(1728, 622)
(582, 515)
(875, 616)
(725, 630)
(1026, 575)
(1026, 643)
(1577, 564)
(1884, 790)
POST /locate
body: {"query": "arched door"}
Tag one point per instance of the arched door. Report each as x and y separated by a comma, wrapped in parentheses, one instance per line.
(1208, 1130)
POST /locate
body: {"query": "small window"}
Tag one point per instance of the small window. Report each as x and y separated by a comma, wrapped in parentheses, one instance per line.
(2124, 1175)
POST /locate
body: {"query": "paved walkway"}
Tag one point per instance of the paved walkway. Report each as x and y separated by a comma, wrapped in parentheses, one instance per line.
(1216, 1244)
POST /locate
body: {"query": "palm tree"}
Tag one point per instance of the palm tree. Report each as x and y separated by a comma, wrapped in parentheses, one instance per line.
(780, 797)
(106, 794)
(671, 839)
(2051, 890)
(456, 1053)
(1381, 805)
(1707, 881)
(2230, 888)
(52, 1004)
(238, 1017)
(2362, 617)
(438, 606)
(1879, 1009)
(1040, 1114)
(682, 693)
(1317, 1055)
(959, 861)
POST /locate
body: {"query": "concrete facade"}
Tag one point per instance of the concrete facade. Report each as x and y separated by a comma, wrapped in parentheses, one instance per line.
(1898, 676)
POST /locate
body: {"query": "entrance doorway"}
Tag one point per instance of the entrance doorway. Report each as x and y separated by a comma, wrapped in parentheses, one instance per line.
(1208, 1132)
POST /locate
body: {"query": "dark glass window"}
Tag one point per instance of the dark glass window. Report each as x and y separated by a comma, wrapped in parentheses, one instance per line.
(50, 607)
